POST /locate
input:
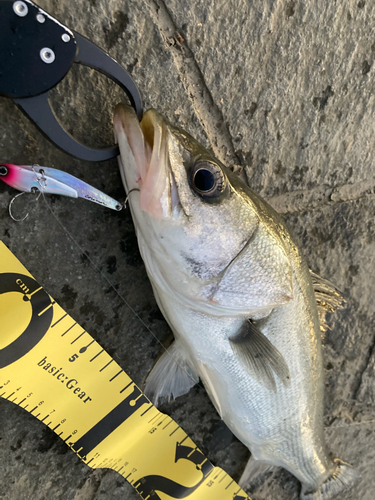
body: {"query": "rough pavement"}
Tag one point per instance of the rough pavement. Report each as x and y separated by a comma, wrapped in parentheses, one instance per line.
(281, 89)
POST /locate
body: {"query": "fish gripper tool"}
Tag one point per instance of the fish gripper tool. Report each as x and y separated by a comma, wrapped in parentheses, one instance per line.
(36, 53)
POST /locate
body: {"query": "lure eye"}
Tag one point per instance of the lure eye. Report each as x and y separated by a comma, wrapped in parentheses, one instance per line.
(3, 170)
(207, 179)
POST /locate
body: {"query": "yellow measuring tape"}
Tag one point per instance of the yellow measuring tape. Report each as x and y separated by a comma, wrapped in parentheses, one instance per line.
(51, 367)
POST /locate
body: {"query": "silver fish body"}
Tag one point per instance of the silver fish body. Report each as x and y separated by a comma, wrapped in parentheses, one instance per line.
(238, 296)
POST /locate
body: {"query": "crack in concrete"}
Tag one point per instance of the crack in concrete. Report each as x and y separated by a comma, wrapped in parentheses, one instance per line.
(91, 485)
(302, 200)
(362, 371)
(192, 78)
(351, 412)
(366, 422)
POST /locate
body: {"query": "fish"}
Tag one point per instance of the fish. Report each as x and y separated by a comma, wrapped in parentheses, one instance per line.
(246, 312)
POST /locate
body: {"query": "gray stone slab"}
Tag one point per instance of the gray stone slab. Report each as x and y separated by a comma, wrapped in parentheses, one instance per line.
(292, 83)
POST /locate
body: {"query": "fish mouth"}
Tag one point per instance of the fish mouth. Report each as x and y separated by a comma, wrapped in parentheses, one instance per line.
(145, 160)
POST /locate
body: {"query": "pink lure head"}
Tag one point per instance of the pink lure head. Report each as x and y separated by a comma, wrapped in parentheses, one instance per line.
(12, 175)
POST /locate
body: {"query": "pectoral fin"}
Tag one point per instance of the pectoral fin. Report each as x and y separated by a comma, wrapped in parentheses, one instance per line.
(172, 376)
(260, 357)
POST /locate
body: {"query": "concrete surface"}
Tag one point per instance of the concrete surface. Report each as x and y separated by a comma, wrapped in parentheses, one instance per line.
(281, 89)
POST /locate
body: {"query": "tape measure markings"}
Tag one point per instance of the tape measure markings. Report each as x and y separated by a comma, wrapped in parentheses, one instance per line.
(84, 349)
(58, 321)
(66, 380)
(104, 367)
(148, 409)
(158, 416)
(229, 484)
(218, 474)
(79, 336)
(74, 324)
(124, 389)
(176, 429)
(169, 423)
(117, 374)
(164, 419)
(96, 355)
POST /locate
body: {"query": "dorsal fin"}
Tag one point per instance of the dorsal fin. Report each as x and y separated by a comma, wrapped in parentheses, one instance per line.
(328, 298)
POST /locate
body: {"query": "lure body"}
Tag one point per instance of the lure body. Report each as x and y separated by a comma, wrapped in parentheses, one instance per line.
(29, 178)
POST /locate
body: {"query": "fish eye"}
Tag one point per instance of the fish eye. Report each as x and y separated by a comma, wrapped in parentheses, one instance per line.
(207, 179)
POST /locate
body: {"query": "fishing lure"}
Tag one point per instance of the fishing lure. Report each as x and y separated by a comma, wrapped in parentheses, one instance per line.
(33, 178)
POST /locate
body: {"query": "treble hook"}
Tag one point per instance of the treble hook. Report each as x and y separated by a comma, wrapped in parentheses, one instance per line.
(34, 191)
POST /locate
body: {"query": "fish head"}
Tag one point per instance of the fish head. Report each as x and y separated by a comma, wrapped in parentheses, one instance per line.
(193, 216)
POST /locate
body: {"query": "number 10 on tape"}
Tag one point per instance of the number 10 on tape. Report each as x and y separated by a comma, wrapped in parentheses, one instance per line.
(51, 367)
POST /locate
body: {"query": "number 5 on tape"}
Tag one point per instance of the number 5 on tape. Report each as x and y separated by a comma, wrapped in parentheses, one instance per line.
(51, 367)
